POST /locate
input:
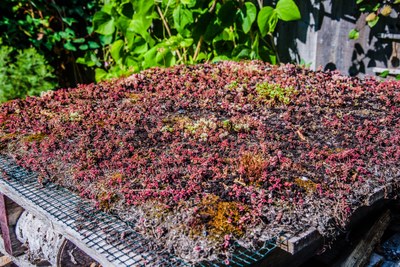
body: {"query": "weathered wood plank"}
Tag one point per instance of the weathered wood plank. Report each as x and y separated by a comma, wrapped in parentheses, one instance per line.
(5, 260)
(68, 232)
(297, 243)
(360, 255)
(5, 231)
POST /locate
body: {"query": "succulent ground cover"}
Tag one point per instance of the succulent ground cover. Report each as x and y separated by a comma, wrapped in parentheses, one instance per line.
(200, 157)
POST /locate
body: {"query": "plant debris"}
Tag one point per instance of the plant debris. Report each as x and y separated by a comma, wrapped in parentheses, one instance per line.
(199, 157)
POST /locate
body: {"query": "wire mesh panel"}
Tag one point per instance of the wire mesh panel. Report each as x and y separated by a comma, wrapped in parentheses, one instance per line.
(102, 232)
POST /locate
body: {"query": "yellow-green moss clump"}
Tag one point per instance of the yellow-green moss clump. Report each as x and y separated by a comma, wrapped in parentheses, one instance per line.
(219, 218)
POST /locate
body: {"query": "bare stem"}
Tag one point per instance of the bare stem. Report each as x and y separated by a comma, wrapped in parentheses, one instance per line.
(196, 53)
(213, 6)
(168, 29)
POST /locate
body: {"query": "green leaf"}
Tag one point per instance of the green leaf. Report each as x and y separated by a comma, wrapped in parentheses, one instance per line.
(249, 14)
(100, 74)
(267, 20)
(189, 3)
(287, 10)
(186, 42)
(164, 57)
(93, 45)
(226, 14)
(241, 52)
(139, 46)
(122, 24)
(354, 34)
(69, 21)
(132, 63)
(182, 17)
(69, 46)
(83, 47)
(143, 7)
(373, 22)
(213, 28)
(108, 7)
(66, 34)
(103, 23)
(81, 60)
(225, 35)
(220, 58)
(384, 74)
(79, 40)
(89, 29)
(139, 24)
(359, 1)
(105, 39)
(89, 60)
(116, 48)
(398, 75)
(150, 58)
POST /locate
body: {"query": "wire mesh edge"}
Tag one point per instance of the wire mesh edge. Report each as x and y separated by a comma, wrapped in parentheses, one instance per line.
(118, 236)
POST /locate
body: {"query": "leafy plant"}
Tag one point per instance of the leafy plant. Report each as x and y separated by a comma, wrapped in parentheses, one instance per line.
(139, 34)
(376, 9)
(26, 73)
(60, 30)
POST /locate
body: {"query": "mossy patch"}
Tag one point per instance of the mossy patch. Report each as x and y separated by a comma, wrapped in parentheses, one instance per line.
(306, 184)
(274, 93)
(219, 217)
(36, 137)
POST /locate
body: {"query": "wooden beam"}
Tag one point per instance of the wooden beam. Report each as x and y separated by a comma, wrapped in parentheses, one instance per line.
(5, 231)
(58, 226)
(5, 260)
(361, 253)
(297, 243)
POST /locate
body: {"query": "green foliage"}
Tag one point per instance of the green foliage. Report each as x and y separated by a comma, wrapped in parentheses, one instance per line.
(354, 34)
(384, 74)
(376, 9)
(275, 93)
(26, 73)
(139, 34)
(60, 30)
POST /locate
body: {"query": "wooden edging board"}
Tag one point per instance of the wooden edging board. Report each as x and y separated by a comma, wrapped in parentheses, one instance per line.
(56, 225)
(307, 238)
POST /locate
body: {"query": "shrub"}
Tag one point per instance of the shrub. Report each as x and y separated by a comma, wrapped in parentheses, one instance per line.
(24, 74)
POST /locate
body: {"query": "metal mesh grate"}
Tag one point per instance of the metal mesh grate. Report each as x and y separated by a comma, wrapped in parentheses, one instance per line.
(106, 234)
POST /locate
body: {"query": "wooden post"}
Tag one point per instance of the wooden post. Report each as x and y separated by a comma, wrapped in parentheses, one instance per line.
(4, 226)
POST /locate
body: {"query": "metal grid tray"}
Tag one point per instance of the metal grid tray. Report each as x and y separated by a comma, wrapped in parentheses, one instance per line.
(104, 233)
